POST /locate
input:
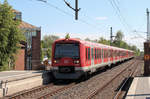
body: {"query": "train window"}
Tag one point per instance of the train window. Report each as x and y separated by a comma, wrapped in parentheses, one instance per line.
(107, 55)
(111, 53)
(67, 50)
(89, 54)
(95, 53)
(99, 53)
(102, 53)
(92, 53)
(86, 54)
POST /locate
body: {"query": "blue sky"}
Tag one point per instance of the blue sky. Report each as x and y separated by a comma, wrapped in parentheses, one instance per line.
(95, 18)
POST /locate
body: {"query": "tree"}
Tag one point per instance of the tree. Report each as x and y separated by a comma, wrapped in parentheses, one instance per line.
(118, 39)
(87, 39)
(48, 40)
(46, 45)
(49, 53)
(10, 35)
(103, 41)
(119, 36)
(67, 36)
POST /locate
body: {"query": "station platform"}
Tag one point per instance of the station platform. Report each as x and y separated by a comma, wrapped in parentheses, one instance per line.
(14, 81)
(139, 89)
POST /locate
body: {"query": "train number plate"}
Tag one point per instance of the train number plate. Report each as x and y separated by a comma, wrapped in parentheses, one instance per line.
(66, 69)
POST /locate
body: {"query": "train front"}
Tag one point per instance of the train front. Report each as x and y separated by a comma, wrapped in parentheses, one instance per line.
(66, 59)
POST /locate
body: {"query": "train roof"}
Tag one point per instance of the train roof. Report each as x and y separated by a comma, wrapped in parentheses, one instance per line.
(92, 44)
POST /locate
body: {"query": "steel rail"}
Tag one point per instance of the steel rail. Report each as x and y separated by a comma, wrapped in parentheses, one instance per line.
(120, 90)
(106, 84)
(56, 91)
(28, 92)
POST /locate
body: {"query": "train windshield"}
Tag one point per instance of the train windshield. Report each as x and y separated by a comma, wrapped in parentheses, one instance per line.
(67, 50)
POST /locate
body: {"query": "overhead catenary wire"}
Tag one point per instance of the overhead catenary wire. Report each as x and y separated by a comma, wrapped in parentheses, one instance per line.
(117, 1)
(114, 5)
(67, 13)
(122, 19)
(118, 14)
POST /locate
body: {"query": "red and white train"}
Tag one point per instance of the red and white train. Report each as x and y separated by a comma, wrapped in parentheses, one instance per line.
(72, 58)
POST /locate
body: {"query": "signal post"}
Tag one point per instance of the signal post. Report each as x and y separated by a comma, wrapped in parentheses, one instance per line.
(147, 59)
(147, 49)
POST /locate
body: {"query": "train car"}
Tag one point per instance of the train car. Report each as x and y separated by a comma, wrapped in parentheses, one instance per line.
(72, 58)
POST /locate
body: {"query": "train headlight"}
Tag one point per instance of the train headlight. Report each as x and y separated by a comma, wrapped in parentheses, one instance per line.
(76, 61)
(56, 61)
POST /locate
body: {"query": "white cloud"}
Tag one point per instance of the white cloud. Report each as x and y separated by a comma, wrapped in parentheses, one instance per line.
(101, 18)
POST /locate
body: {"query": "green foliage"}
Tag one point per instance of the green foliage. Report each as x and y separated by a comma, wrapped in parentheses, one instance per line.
(87, 39)
(48, 52)
(42, 52)
(48, 40)
(67, 36)
(118, 42)
(103, 41)
(10, 35)
(46, 45)
(119, 36)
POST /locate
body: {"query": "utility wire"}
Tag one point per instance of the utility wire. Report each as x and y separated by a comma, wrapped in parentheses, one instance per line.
(67, 13)
(117, 1)
(117, 13)
(122, 19)
(59, 9)
(129, 27)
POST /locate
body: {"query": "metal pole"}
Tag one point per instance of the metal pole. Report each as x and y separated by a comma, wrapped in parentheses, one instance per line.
(148, 33)
(76, 10)
(111, 36)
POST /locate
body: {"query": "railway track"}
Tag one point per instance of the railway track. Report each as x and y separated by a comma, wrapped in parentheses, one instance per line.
(45, 96)
(120, 93)
(40, 89)
(94, 93)
(79, 90)
(51, 91)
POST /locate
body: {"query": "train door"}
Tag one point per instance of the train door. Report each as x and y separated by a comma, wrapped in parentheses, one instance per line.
(92, 58)
(111, 55)
(88, 57)
(108, 51)
(102, 55)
